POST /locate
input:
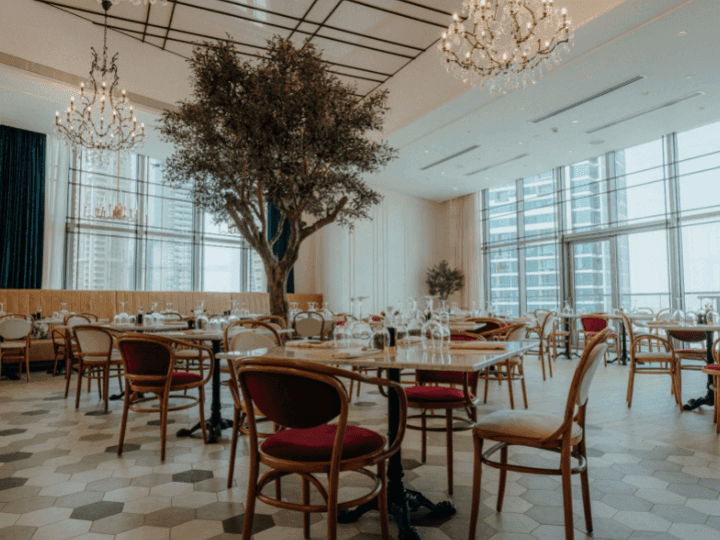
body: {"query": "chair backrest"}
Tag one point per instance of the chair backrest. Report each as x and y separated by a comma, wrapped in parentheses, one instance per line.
(688, 336)
(15, 327)
(645, 311)
(172, 316)
(516, 332)
(93, 340)
(715, 349)
(244, 336)
(90, 316)
(75, 319)
(540, 314)
(547, 324)
(663, 315)
(308, 324)
(146, 357)
(593, 322)
(580, 387)
(273, 319)
(628, 327)
(293, 394)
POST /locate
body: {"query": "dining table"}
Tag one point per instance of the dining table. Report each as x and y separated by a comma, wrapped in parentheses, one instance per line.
(402, 502)
(709, 330)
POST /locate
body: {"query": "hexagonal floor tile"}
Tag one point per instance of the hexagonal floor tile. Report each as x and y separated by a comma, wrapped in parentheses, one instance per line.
(97, 510)
(261, 522)
(192, 476)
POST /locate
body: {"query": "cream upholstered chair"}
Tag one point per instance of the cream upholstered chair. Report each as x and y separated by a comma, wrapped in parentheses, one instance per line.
(546, 329)
(713, 370)
(510, 370)
(70, 321)
(660, 362)
(96, 358)
(308, 324)
(565, 436)
(16, 331)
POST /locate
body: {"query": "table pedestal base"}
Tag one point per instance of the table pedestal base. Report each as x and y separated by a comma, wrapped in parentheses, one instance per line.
(707, 399)
(214, 429)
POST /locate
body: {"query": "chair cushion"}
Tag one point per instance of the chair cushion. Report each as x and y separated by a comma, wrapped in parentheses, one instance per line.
(653, 357)
(712, 367)
(316, 444)
(531, 425)
(188, 354)
(13, 345)
(694, 352)
(435, 393)
(178, 378)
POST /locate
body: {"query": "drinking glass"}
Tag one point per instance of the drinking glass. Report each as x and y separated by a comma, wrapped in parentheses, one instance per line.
(201, 320)
(712, 317)
(312, 306)
(380, 338)
(244, 312)
(123, 317)
(432, 334)
(361, 334)
(168, 306)
(326, 313)
(63, 309)
(341, 334)
(293, 311)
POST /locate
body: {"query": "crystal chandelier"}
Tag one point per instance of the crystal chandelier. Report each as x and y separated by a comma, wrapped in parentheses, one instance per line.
(117, 211)
(104, 120)
(504, 45)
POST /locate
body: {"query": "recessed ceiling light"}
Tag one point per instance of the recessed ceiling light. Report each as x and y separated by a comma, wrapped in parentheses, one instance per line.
(575, 121)
(597, 141)
(571, 151)
(426, 151)
(588, 76)
(682, 33)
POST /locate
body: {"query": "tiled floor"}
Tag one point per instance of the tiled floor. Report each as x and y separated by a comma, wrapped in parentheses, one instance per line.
(655, 472)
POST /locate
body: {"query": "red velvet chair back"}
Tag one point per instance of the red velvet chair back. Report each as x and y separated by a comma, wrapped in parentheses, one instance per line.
(145, 357)
(593, 323)
(425, 376)
(291, 398)
(688, 336)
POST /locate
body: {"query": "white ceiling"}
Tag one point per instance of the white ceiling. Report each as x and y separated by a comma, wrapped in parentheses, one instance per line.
(432, 114)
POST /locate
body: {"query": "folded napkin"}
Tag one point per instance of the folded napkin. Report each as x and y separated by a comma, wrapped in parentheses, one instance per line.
(479, 345)
(463, 325)
(311, 344)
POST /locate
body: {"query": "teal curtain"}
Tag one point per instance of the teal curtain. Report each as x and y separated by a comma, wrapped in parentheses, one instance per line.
(274, 216)
(22, 208)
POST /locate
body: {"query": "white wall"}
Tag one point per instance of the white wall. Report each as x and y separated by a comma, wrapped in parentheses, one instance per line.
(384, 259)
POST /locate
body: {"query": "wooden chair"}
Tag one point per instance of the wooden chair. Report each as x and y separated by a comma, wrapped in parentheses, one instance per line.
(680, 339)
(96, 358)
(436, 390)
(71, 348)
(308, 324)
(546, 329)
(302, 397)
(643, 363)
(273, 319)
(591, 325)
(16, 333)
(511, 369)
(172, 316)
(150, 363)
(490, 324)
(565, 436)
(561, 333)
(713, 370)
(539, 315)
(244, 342)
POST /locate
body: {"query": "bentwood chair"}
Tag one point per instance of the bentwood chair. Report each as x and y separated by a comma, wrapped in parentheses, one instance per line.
(16, 332)
(302, 398)
(96, 358)
(593, 323)
(565, 436)
(546, 329)
(150, 363)
(273, 319)
(713, 370)
(70, 321)
(660, 362)
(172, 316)
(510, 370)
(436, 390)
(245, 341)
(682, 339)
(539, 316)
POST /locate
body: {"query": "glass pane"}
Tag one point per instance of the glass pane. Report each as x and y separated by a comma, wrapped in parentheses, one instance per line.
(222, 268)
(586, 188)
(643, 270)
(640, 183)
(593, 289)
(504, 280)
(541, 277)
(168, 265)
(103, 260)
(539, 205)
(701, 264)
(103, 185)
(502, 213)
(211, 228)
(168, 208)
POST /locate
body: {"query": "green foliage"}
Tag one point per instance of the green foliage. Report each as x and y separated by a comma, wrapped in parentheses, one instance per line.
(443, 280)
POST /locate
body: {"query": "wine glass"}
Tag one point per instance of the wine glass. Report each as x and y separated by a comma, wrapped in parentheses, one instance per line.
(361, 299)
(123, 318)
(432, 334)
(244, 312)
(293, 311)
(341, 334)
(63, 309)
(312, 306)
(168, 306)
(362, 333)
(380, 338)
(326, 313)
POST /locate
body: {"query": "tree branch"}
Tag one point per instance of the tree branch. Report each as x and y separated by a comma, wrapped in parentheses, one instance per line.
(329, 218)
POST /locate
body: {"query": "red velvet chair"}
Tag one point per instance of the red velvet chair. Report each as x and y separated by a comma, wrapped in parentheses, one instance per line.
(149, 363)
(435, 390)
(302, 397)
(592, 325)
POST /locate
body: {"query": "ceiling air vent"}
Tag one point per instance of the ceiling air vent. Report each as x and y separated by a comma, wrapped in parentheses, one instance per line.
(600, 94)
(646, 111)
(453, 156)
(497, 164)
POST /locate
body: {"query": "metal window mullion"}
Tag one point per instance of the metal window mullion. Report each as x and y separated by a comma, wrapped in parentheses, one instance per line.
(71, 221)
(198, 251)
(565, 262)
(141, 226)
(486, 259)
(520, 220)
(675, 253)
(611, 185)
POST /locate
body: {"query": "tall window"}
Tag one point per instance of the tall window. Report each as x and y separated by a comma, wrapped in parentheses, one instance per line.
(636, 227)
(170, 246)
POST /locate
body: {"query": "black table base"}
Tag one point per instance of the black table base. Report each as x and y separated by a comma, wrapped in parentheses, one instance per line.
(709, 398)
(216, 423)
(401, 501)
(621, 359)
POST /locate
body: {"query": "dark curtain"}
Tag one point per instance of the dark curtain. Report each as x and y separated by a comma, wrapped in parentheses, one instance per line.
(22, 208)
(281, 245)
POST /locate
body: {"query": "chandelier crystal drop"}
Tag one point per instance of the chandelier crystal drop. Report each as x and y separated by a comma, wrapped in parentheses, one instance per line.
(103, 120)
(505, 45)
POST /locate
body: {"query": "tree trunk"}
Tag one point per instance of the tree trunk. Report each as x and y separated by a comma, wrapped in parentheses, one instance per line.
(277, 279)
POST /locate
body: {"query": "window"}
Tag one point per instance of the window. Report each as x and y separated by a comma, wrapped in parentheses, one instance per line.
(502, 213)
(640, 183)
(699, 169)
(171, 246)
(586, 193)
(504, 280)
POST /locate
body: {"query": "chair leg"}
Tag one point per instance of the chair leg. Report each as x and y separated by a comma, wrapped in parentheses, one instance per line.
(565, 467)
(631, 383)
(306, 501)
(233, 445)
(382, 502)
(201, 406)
(542, 358)
(509, 381)
(503, 478)
(332, 505)
(27, 363)
(487, 384)
(423, 430)
(251, 495)
(521, 372)
(123, 425)
(678, 391)
(106, 384)
(81, 371)
(449, 435)
(163, 423)
(549, 363)
(585, 485)
(477, 477)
